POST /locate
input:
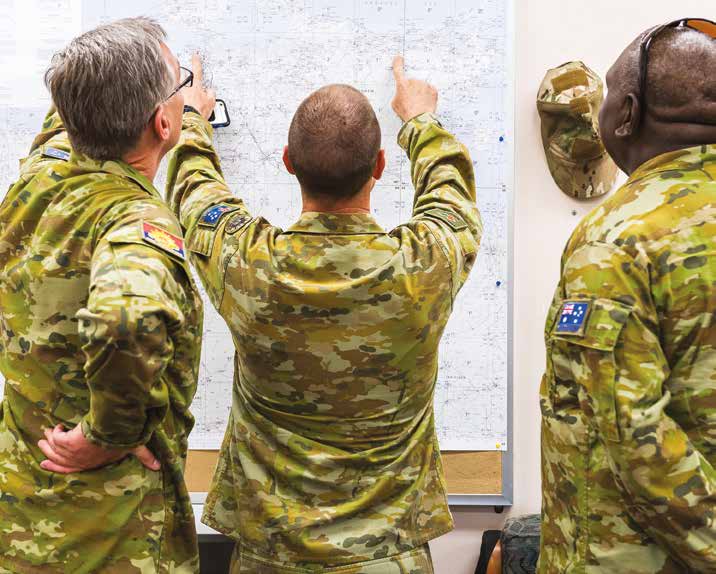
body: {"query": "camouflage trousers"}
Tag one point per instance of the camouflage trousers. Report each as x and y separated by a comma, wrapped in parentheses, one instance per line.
(417, 561)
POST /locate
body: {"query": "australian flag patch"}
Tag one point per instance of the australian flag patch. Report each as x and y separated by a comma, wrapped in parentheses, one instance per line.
(55, 153)
(573, 317)
(212, 215)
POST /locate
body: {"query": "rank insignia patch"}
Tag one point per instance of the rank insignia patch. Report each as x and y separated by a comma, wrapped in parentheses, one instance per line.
(456, 222)
(213, 214)
(163, 239)
(573, 318)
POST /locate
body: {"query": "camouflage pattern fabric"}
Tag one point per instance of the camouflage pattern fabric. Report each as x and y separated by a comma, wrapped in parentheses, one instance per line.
(100, 325)
(629, 397)
(330, 456)
(417, 561)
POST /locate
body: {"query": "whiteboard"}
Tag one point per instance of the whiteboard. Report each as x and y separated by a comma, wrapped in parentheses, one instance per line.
(263, 58)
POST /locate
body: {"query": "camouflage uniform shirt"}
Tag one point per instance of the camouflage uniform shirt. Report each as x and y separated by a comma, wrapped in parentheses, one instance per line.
(100, 325)
(330, 455)
(629, 396)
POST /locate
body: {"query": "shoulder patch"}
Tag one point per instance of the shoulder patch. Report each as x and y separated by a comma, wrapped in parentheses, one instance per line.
(573, 318)
(212, 215)
(237, 222)
(455, 222)
(163, 239)
(55, 153)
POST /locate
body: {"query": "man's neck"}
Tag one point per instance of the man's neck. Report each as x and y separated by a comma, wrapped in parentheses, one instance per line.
(146, 164)
(145, 158)
(358, 203)
(665, 137)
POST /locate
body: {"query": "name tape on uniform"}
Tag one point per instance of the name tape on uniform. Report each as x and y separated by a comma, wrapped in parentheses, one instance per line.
(573, 318)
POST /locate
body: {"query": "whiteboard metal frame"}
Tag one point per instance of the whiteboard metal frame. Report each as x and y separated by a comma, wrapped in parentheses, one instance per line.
(505, 498)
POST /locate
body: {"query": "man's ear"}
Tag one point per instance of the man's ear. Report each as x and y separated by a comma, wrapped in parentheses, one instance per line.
(161, 124)
(379, 165)
(287, 161)
(629, 117)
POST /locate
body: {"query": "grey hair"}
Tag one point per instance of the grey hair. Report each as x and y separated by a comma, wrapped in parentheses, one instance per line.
(107, 83)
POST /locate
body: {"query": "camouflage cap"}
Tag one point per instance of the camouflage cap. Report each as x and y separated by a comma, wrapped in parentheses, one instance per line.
(568, 102)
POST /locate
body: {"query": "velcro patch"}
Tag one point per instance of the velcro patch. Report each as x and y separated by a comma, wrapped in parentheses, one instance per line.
(573, 318)
(55, 153)
(570, 79)
(455, 222)
(163, 239)
(212, 215)
(237, 222)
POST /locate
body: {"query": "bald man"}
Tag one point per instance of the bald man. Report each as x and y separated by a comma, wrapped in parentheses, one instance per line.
(330, 458)
(629, 396)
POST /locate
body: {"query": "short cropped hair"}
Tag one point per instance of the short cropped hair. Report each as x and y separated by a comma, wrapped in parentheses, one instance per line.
(333, 141)
(676, 86)
(680, 77)
(107, 83)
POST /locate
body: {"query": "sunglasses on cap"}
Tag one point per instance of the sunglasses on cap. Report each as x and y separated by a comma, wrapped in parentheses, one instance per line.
(699, 24)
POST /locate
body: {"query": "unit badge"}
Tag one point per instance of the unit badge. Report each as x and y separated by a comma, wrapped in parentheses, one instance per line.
(163, 239)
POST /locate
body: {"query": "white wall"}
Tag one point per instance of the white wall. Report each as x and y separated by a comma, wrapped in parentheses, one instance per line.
(547, 34)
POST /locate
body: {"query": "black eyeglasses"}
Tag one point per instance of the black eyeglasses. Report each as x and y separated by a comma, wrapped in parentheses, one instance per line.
(699, 24)
(186, 79)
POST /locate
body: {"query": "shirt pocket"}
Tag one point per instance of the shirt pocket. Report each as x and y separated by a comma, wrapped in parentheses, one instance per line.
(584, 362)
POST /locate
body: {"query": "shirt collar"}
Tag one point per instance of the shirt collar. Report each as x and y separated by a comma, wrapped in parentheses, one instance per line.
(680, 160)
(114, 167)
(336, 224)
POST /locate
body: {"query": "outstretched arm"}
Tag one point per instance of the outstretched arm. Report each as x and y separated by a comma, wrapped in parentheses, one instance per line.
(444, 207)
(197, 192)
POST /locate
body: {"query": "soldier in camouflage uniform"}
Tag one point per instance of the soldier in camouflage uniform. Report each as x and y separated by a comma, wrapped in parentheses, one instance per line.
(100, 324)
(330, 458)
(629, 397)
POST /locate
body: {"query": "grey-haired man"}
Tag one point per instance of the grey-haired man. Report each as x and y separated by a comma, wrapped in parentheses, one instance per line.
(100, 322)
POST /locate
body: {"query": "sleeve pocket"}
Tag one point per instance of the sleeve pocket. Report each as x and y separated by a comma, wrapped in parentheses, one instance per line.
(587, 358)
(200, 240)
(140, 265)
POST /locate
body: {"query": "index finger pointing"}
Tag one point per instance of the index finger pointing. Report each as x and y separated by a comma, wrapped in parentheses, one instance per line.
(399, 68)
(196, 69)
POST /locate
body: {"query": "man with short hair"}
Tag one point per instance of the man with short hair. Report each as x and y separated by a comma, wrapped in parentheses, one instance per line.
(629, 396)
(100, 322)
(330, 458)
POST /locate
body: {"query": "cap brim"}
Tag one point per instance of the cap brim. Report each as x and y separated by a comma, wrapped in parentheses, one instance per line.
(583, 180)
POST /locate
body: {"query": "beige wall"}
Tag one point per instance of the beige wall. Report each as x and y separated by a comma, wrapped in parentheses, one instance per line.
(547, 33)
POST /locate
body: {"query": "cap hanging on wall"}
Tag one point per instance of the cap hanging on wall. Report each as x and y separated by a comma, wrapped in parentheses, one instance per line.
(568, 102)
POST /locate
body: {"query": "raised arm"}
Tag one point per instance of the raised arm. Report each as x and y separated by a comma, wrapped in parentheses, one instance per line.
(196, 190)
(53, 132)
(50, 145)
(442, 175)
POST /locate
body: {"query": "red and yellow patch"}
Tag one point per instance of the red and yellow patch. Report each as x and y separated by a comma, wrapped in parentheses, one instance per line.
(163, 239)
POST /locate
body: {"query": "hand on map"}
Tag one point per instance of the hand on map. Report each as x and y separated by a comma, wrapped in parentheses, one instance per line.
(412, 97)
(70, 451)
(197, 96)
